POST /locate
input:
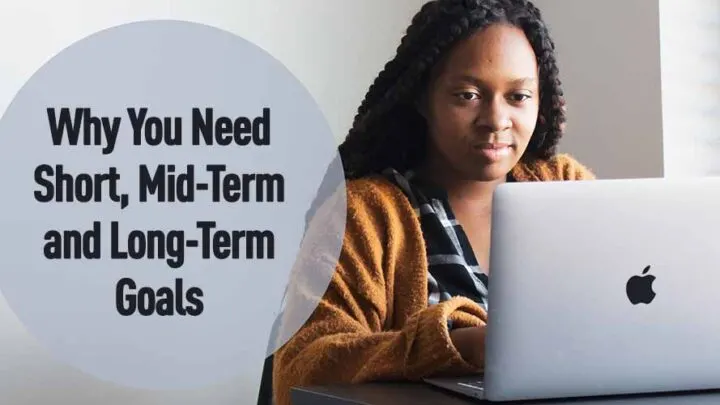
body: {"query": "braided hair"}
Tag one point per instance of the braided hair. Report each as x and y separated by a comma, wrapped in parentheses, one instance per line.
(388, 131)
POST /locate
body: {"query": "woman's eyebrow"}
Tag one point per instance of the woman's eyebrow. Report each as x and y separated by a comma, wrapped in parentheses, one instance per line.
(524, 80)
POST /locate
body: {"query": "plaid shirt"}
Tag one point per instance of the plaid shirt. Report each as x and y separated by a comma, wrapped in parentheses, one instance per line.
(453, 269)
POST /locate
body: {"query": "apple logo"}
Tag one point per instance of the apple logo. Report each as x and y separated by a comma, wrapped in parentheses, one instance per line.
(639, 288)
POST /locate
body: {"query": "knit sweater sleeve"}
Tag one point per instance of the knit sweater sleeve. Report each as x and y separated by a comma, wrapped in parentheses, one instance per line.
(346, 339)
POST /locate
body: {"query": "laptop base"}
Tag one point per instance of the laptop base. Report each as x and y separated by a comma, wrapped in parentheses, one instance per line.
(468, 386)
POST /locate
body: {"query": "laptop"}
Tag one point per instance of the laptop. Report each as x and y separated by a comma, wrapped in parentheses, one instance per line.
(601, 287)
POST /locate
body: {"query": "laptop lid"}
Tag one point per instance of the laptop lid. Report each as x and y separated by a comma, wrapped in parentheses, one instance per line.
(604, 287)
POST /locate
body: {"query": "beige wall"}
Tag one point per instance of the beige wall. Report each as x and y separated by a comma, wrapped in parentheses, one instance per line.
(609, 55)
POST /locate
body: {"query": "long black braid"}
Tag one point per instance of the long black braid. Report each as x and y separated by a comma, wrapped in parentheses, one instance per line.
(389, 132)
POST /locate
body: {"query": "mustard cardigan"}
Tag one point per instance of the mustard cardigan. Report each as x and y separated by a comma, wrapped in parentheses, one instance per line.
(373, 322)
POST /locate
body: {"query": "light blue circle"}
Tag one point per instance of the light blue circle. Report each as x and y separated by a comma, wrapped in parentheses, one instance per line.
(170, 68)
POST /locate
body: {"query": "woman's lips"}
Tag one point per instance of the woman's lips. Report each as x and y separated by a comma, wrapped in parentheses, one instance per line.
(494, 151)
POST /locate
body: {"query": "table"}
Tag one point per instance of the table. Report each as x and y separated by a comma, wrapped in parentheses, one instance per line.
(421, 394)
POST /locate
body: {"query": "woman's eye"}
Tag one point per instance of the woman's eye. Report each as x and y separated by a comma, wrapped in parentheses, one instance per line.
(519, 97)
(468, 96)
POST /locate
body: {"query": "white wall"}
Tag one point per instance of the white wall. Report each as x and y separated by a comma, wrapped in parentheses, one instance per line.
(690, 38)
(609, 57)
(328, 44)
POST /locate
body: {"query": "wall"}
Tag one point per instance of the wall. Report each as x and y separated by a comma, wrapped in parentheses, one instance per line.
(328, 44)
(690, 38)
(609, 57)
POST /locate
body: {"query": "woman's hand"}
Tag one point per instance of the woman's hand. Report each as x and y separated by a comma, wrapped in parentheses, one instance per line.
(470, 342)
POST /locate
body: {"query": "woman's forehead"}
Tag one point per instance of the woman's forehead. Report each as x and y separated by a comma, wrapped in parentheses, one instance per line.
(499, 51)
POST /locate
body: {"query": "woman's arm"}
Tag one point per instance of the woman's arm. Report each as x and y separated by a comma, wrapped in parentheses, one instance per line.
(345, 340)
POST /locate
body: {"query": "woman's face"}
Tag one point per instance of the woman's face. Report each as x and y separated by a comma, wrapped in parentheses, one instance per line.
(482, 105)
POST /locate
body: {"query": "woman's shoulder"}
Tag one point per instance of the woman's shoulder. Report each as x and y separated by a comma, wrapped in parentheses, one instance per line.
(559, 167)
(376, 194)
(371, 205)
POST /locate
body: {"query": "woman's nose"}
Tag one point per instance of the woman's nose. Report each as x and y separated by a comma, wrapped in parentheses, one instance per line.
(494, 115)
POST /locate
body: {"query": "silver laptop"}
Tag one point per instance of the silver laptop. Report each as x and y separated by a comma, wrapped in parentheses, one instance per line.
(602, 287)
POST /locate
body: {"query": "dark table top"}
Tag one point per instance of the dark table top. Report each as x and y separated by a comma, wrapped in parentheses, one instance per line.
(422, 394)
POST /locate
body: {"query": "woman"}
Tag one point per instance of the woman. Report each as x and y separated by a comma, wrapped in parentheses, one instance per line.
(471, 100)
